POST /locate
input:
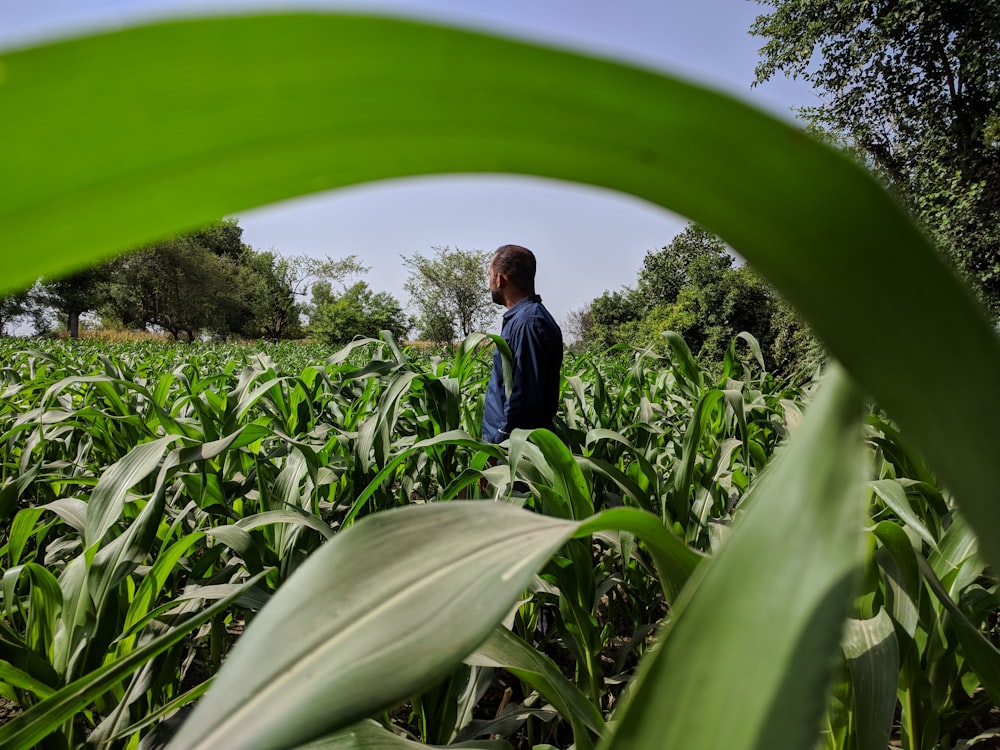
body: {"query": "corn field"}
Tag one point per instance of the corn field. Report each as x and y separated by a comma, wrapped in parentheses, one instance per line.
(157, 498)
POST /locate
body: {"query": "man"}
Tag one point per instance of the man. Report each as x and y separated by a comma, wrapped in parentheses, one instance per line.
(536, 344)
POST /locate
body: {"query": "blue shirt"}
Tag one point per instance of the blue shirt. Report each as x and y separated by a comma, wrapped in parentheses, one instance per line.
(536, 345)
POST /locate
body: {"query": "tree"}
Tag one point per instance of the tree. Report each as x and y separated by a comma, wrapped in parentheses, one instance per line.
(914, 87)
(692, 257)
(692, 287)
(714, 307)
(450, 292)
(177, 285)
(357, 311)
(13, 309)
(271, 285)
(266, 296)
(611, 317)
(74, 295)
(579, 325)
(223, 238)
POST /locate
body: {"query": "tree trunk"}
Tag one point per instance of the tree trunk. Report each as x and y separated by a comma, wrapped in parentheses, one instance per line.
(73, 324)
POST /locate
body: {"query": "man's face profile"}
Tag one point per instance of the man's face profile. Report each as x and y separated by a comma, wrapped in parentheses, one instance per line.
(496, 293)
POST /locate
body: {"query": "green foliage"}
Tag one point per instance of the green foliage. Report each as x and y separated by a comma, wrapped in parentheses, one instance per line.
(223, 238)
(72, 296)
(914, 88)
(14, 307)
(610, 315)
(691, 287)
(177, 285)
(357, 311)
(266, 296)
(693, 258)
(449, 292)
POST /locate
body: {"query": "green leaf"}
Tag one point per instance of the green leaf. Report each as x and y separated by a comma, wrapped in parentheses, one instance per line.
(106, 501)
(675, 561)
(951, 557)
(297, 517)
(21, 679)
(873, 662)
(786, 575)
(901, 574)
(110, 734)
(453, 437)
(25, 730)
(504, 649)
(684, 469)
(569, 481)
(452, 570)
(71, 510)
(45, 603)
(892, 494)
(686, 364)
(152, 585)
(368, 735)
(983, 657)
(25, 526)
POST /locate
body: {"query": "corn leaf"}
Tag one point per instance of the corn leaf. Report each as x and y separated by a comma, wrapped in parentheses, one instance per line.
(872, 655)
(787, 575)
(504, 649)
(25, 730)
(451, 571)
(368, 735)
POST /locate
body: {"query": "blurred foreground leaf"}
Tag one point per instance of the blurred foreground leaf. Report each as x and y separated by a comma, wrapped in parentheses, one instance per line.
(747, 657)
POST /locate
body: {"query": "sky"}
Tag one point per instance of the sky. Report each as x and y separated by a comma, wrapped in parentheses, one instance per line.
(587, 240)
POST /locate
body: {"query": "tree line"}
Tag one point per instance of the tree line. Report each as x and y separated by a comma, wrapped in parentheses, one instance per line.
(695, 287)
(209, 283)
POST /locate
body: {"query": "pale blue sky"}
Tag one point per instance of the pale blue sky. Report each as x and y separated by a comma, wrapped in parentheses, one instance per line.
(587, 240)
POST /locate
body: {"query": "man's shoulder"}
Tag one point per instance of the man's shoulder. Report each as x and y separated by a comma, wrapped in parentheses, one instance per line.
(530, 317)
(531, 308)
(536, 321)
(541, 313)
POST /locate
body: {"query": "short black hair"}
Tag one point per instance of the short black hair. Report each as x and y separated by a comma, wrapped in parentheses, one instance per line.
(517, 264)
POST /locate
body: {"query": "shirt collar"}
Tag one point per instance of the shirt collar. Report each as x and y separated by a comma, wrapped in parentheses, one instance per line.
(521, 303)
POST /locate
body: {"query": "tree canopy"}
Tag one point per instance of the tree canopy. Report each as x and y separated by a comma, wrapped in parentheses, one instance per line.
(914, 88)
(177, 285)
(449, 292)
(357, 311)
(209, 282)
(693, 287)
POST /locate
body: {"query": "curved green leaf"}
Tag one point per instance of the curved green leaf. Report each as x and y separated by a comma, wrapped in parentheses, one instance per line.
(368, 735)
(453, 570)
(983, 656)
(675, 561)
(108, 497)
(27, 729)
(786, 575)
(504, 649)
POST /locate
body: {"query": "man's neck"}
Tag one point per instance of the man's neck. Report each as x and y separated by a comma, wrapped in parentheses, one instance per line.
(516, 296)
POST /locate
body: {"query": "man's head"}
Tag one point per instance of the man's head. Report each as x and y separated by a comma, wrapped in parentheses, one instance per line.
(511, 274)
